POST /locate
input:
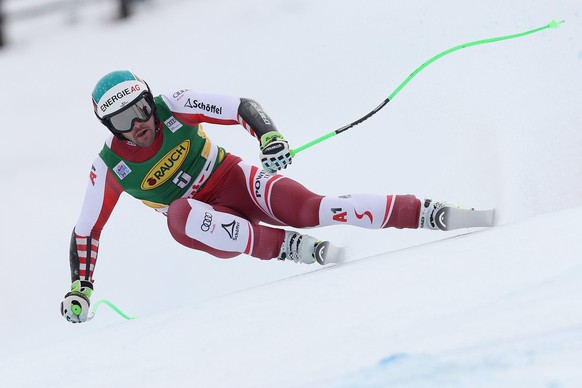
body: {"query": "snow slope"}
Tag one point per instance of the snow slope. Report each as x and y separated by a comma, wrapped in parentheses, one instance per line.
(489, 308)
(489, 126)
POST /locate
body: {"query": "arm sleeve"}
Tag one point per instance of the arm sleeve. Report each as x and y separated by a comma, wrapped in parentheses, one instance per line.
(254, 119)
(101, 196)
(193, 108)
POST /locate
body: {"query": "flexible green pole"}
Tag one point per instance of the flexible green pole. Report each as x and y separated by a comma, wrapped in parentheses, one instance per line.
(112, 306)
(552, 24)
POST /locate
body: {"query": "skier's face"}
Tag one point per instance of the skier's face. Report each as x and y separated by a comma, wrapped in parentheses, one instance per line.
(142, 134)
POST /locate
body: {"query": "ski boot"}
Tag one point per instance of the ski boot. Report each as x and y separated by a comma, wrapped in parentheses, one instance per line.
(306, 249)
(443, 216)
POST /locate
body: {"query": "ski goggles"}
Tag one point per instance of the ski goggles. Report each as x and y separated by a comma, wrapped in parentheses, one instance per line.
(122, 121)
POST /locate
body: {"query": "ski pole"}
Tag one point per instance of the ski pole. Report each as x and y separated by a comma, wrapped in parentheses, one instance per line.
(552, 24)
(112, 306)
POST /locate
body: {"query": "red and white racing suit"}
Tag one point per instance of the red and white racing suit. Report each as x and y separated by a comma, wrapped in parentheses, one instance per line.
(232, 207)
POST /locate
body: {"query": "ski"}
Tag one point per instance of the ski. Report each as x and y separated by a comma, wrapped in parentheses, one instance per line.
(326, 253)
(450, 218)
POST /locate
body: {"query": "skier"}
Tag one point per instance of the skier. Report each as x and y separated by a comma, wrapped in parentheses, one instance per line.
(214, 201)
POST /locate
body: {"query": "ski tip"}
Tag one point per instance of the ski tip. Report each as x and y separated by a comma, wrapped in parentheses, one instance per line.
(493, 220)
(451, 218)
(326, 253)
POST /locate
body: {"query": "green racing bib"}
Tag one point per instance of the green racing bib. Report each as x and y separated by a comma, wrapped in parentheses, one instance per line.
(175, 171)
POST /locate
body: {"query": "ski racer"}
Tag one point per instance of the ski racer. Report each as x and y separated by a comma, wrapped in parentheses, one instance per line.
(213, 200)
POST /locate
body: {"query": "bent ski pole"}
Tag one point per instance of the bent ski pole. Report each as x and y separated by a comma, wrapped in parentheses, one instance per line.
(112, 306)
(552, 24)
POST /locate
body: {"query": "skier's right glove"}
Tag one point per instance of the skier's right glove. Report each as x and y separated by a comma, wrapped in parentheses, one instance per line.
(75, 306)
(275, 154)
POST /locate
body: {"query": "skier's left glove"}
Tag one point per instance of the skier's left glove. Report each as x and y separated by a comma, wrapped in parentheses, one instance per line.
(275, 153)
(75, 306)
